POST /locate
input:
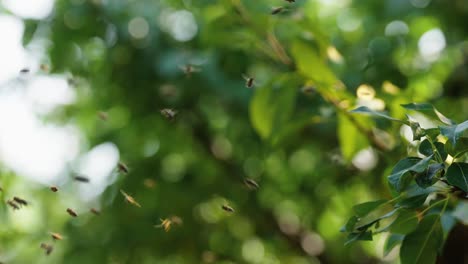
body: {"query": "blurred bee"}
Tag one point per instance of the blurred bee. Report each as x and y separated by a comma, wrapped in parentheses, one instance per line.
(249, 81)
(20, 201)
(13, 205)
(227, 208)
(95, 211)
(56, 236)
(24, 70)
(188, 69)
(122, 167)
(251, 184)
(44, 67)
(149, 183)
(71, 212)
(290, 1)
(130, 199)
(54, 188)
(47, 248)
(308, 90)
(277, 10)
(103, 115)
(168, 222)
(168, 113)
(81, 178)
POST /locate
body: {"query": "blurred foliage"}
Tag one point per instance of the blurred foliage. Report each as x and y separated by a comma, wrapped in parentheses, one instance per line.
(292, 132)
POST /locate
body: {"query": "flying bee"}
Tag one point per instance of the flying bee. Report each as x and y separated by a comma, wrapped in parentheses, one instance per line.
(249, 81)
(56, 236)
(54, 188)
(227, 208)
(13, 205)
(188, 69)
(130, 199)
(81, 178)
(168, 113)
(103, 115)
(20, 201)
(168, 222)
(24, 70)
(277, 10)
(95, 211)
(44, 67)
(251, 184)
(71, 212)
(290, 1)
(47, 248)
(122, 167)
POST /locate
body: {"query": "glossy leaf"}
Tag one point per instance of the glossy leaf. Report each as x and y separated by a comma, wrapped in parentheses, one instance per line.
(426, 149)
(367, 110)
(366, 236)
(457, 175)
(363, 209)
(400, 176)
(392, 241)
(349, 226)
(459, 149)
(422, 245)
(430, 110)
(405, 223)
(430, 176)
(454, 132)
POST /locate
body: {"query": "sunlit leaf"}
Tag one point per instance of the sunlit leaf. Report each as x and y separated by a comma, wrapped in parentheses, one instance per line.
(363, 209)
(367, 110)
(405, 223)
(351, 139)
(422, 245)
(430, 110)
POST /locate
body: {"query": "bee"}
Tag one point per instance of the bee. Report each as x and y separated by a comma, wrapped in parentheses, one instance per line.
(168, 222)
(71, 212)
(56, 236)
(20, 201)
(290, 1)
(188, 69)
(24, 70)
(122, 167)
(13, 205)
(149, 183)
(168, 113)
(103, 115)
(251, 183)
(44, 67)
(130, 199)
(47, 248)
(249, 81)
(95, 211)
(277, 10)
(227, 208)
(308, 89)
(54, 188)
(81, 178)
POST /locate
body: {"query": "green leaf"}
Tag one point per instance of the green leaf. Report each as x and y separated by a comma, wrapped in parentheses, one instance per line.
(454, 132)
(430, 110)
(351, 139)
(392, 241)
(457, 175)
(413, 201)
(430, 176)
(425, 148)
(460, 148)
(363, 209)
(349, 226)
(273, 104)
(421, 246)
(367, 110)
(311, 65)
(405, 223)
(400, 176)
(418, 132)
(366, 236)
